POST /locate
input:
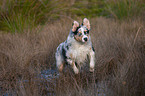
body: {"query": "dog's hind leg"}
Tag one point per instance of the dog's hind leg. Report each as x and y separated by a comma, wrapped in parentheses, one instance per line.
(59, 62)
(60, 66)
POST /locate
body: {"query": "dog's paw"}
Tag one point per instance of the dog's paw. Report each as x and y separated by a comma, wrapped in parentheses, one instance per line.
(91, 70)
(76, 71)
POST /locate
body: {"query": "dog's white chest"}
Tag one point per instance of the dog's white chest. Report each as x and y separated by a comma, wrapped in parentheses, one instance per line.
(78, 53)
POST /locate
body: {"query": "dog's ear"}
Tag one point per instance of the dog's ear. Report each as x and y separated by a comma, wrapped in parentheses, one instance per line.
(75, 25)
(86, 23)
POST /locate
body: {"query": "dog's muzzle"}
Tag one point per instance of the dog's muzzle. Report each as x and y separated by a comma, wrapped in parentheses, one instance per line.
(85, 39)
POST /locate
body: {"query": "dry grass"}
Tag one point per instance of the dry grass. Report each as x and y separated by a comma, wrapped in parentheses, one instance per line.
(120, 57)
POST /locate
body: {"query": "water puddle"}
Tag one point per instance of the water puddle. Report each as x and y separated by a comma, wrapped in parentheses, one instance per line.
(100, 88)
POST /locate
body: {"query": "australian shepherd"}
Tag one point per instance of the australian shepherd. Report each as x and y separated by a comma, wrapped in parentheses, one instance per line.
(76, 48)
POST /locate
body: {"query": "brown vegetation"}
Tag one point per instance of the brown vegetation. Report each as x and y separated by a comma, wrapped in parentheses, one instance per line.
(119, 70)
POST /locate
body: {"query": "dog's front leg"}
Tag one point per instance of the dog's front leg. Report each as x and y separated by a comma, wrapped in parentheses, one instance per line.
(92, 60)
(76, 70)
(72, 63)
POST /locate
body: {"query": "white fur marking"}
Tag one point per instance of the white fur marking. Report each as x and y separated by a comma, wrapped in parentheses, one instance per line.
(84, 36)
(79, 52)
(92, 60)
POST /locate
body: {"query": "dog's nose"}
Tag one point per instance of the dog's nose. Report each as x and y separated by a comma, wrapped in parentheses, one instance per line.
(86, 39)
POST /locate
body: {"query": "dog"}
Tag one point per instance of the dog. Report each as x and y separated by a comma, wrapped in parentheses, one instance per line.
(76, 48)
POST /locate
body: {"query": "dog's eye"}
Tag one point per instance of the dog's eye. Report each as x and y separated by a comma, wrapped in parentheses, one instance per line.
(80, 34)
(86, 32)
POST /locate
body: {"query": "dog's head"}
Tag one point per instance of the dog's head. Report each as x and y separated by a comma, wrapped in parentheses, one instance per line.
(81, 32)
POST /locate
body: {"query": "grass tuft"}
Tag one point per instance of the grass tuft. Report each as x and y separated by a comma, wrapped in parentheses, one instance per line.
(124, 9)
(22, 15)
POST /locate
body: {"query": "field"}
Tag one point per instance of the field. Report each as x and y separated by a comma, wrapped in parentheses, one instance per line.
(27, 63)
(119, 51)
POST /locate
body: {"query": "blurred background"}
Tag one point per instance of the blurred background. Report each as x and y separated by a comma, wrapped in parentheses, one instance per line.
(20, 15)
